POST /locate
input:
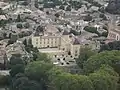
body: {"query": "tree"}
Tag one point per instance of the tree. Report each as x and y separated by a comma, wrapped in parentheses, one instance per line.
(71, 82)
(18, 68)
(30, 43)
(10, 42)
(57, 15)
(105, 34)
(85, 54)
(43, 57)
(111, 46)
(15, 59)
(49, 5)
(91, 30)
(25, 42)
(10, 35)
(68, 8)
(107, 57)
(36, 4)
(47, 12)
(4, 80)
(19, 26)
(113, 7)
(26, 25)
(38, 71)
(88, 18)
(105, 78)
(13, 39)
(18, 18)
(3, 23)
(103, 16)
(25, 3)
(62, 7)
(75, 4)
(39, 29)
(75, 32)
(5, 35)
(23, 83)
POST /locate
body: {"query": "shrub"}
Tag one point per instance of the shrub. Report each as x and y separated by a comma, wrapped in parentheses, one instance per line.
(62, 7)
(19, 26)
(91, 30)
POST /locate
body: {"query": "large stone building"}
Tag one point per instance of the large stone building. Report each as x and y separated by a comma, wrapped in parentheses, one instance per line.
(52, 38)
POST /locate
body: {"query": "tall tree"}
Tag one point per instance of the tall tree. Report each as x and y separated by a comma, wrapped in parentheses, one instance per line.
(38, 71)
(105, 78)
(18, 18)
(25, 42)
(85, 54)
(107, 57)
(18, 68)
(111, 46)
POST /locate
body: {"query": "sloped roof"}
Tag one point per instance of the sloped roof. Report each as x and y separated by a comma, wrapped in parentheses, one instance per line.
(76, 42)
(65, 32)
(51, 28)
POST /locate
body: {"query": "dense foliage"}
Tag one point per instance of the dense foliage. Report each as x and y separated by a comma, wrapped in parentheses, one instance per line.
(113, 7)
(111, 58)
(91, 30)
(43, 75)
(111, 46)
(85, 54)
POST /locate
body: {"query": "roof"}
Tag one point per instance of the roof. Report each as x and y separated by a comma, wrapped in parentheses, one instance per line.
(51, 29)
(2, 17)
(76, 42)
(65, 32)
(4, 72)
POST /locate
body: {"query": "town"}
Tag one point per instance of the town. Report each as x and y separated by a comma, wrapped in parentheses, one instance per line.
(57, 31)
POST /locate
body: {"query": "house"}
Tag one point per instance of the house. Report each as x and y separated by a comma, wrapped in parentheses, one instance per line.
(113, 31)
(16, 48)
(7, 6)
(82, 9)
(3, 17)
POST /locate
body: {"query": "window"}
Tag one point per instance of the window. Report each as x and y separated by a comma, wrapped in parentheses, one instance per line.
(36, 42)
(52, 41)
(36, 39)
(75, 51)
(40, 42)
(117, 38)
(44, 41)
(56, 40)
(48, 41)
(75, 54)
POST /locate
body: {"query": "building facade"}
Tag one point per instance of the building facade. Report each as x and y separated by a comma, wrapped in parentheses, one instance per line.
(114, 31)
(54, 39)
(66, 44)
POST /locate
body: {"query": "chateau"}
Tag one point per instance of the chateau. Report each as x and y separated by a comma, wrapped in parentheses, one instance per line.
(52, 38)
